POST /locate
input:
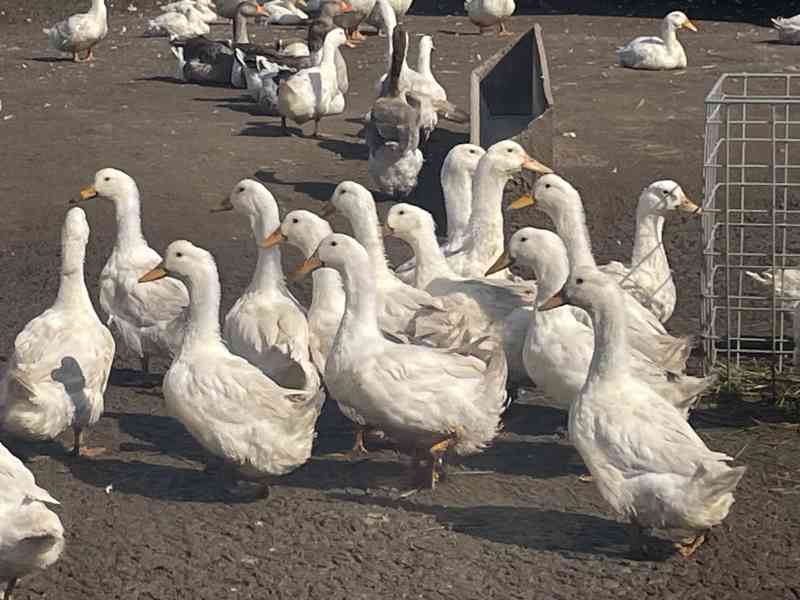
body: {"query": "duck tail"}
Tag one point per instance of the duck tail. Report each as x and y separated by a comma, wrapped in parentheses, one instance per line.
(690, 390)
(715, 488)
(777, 23)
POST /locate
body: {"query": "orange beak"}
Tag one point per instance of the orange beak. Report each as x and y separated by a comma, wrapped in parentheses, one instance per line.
(154, 274)
(273, 239)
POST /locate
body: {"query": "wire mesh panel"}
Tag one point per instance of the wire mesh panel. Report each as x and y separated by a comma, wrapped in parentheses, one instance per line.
(751, 219)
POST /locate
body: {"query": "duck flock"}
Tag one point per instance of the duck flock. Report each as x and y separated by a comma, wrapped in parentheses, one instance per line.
(429, 354)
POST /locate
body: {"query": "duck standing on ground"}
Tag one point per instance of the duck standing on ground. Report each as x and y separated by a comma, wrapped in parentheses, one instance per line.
(58, 371)
(31, 535)
(228, 405)
(426, 399)
(80, 32)
(267, 325)
(658, 53)
(648, 278)
(647, 461)
(147, 320)
(488, 14)
(314, 93)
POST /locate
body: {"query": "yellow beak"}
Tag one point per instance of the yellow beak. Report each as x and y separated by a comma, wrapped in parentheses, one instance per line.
(273, 239)
(309, 265)
(689, 25)
(531, 164)
(503, 262)
(690, 207)
(327, 210)
(554, 302)
(88, 193)
(223, 206)
(157, 272)
(522, 202)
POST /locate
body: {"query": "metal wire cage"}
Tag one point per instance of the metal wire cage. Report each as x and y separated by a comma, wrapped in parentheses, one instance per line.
(751, 216)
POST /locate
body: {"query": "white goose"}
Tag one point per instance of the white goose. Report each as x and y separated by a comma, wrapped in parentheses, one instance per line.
(401, 306)
(31, 535)
(80, 32)
(562, 203)
(558, 344)
(305, 230)
(58, 371)
(489, 307)
(267, 325)
(285, 12)
(487, 14)
(313, 93)
(178, 26)
(424, 398)
(228, 405)
(458, 169)
(648, 277)
(647, 461)
(147, 320)
(484, 241)
(658, 53)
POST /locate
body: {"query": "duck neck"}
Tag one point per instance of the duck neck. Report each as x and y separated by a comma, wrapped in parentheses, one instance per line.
(204, 298)
(366, 231)
(326, 291)
(551, 275)
(72, 292)
(240, 28)
(610, 356)
(570, 222)
(360, 317)
(457, 188)
(268, 275)
(669, 35)
(648, 247)
(486, 220)
(129, 222)
(424, 61)
(431, 263)
(98, 7)
(328, 54)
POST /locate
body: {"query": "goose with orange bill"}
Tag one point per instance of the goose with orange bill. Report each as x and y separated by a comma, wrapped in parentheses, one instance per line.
(658, 53)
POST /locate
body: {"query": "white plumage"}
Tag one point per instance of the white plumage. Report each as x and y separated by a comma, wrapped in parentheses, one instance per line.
(657, 53)
(59, 368)
(80, 32)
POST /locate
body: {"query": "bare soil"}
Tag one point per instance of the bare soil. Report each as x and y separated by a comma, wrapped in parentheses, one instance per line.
(144, 521)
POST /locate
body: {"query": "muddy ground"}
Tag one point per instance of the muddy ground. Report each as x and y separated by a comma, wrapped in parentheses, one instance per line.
(144, 522)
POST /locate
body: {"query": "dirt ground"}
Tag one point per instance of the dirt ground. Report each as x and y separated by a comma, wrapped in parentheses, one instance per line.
(144, 522)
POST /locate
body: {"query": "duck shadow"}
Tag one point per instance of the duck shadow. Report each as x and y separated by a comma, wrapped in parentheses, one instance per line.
(572, 534)
(134, 378)
(319, 190)
(533, 419)
(262, 129)
(541, 459)
(165, 79)
(157, 434)
(346, 150)
(244, 106)
(50, 59)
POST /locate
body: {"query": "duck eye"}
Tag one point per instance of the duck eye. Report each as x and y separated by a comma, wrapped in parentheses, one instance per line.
(523, 239)
(579, 281)
(665, 192)
(402, 212)
(333, 243)
(241, 189)
(547, 185)
(510, 150)
(179, 254)
(107, 179)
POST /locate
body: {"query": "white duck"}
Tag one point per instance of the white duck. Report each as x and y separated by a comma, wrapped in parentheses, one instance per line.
(228, 405)
(648, 277)
(401, 306)
(788, 29)
(429, 399)
(58, 371)
(177, 26)
(489, 307)
(658, 53)
(562, 203)
(80, 32)
(484, 241)
(311, 94)
(285, 12)
(305, 230)
(262, 82)
(558, 344)
(147, 320)
(31, 535)
(647, 461)
(458, 169)
(267, 325)
(204, 7)
(487, 14)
